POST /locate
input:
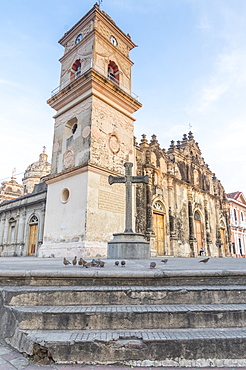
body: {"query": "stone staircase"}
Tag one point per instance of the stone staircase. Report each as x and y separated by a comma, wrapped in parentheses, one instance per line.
(130, 319)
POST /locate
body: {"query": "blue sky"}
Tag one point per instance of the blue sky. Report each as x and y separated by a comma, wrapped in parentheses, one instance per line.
(190, 68)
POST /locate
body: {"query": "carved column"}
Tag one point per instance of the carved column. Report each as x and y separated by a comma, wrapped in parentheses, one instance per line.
(192, 238)
(218, 235)
(207, 226)
(228, 229)
(20, 235)
(170, 212)
(41, 226)
(150, 235)
(5, 232)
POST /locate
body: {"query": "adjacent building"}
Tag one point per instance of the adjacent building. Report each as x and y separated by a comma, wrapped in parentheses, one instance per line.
(237, 209)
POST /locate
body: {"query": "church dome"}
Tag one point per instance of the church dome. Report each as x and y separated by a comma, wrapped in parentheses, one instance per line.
(36, 171)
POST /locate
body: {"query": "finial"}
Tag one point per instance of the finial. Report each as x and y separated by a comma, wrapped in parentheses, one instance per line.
(144, 140)
(172, 145)
(178, 144)
(153, 140)
(13, 174)
(190, 135)
(44, 147)
(184, 138)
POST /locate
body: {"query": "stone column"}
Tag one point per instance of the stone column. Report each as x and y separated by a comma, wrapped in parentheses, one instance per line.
(5, 232)
(192, 238)
(218, 235)
(207, 227)
(20, 235)
(150, 235)
(2, 223)
(170, 212)
(41, 226)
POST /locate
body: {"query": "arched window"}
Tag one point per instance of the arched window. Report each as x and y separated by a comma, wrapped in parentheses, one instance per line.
(113, 72)
(33, 220)
(197, 216)
(75, 70)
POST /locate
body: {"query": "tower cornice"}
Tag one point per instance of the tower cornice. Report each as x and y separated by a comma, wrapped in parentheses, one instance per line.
(93, 83)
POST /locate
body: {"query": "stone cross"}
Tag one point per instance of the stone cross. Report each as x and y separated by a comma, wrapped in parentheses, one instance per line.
(128, 179)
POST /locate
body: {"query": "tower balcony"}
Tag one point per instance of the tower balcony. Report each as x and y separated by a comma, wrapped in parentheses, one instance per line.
(105, 74)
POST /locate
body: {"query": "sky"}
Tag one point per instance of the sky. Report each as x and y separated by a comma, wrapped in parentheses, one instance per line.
(189, 73)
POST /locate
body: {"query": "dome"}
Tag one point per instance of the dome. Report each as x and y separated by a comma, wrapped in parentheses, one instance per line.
(36, 171)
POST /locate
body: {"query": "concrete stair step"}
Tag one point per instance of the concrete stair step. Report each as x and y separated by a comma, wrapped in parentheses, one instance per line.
(169, 347)
(127, 295)
(129, 316)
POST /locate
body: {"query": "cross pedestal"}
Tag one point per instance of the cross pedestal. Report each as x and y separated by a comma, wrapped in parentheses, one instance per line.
(128, 245)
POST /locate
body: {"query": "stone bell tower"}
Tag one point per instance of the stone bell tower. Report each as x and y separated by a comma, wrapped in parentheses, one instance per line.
(93, 138)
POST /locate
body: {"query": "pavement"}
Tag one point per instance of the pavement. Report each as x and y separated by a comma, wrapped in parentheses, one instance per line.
(10, 359)
(35, 266)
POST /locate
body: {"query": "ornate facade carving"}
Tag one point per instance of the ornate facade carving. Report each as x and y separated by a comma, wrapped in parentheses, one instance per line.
(196, 210)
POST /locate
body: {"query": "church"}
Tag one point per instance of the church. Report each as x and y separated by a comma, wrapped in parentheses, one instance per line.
(182, 211)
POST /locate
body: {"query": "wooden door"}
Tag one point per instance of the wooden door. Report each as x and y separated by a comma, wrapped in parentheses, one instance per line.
(159, 232)
(33, 239)
(198, 235)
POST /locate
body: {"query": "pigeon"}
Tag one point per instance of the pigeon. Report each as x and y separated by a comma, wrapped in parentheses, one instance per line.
(75, 261)
(165, 260)
(81, 262)
(102, 263)
(123, 263)
(116, 263)
(205, 260)
(66, 262)
(152, 265)
(87, 264)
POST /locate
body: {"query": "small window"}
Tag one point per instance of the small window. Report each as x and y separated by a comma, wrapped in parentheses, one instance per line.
(33, 220)
(158, 206)
(197, 216)
(70, 127)
(65, 195)
(235, 214)
(78, 38)
(242, 216)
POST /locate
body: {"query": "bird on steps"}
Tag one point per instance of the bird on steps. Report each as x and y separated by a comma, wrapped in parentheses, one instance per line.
(81, 262)
(102, 263)
(205, 260)
(152, 265)
(123, 263)
(116, 263)
(66, 262)
(75, 261)
(165, 260)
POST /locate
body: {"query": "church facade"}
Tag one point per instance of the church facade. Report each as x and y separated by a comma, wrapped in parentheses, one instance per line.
(182, 210)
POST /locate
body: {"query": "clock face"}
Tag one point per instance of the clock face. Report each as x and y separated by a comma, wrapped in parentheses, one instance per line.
(78, 38)
(113, 40)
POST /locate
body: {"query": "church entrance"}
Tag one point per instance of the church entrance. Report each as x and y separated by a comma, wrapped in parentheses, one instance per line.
(158, 226)
(33, 234)
(198, 231)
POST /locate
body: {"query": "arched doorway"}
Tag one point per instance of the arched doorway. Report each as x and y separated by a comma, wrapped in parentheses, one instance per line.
(158, 226)
(33, 234)
(198, 231)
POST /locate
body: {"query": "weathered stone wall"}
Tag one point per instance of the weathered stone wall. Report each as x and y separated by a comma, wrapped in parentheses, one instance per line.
(182, 188)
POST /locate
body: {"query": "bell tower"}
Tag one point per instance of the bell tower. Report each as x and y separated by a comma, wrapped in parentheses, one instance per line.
(93, 138)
